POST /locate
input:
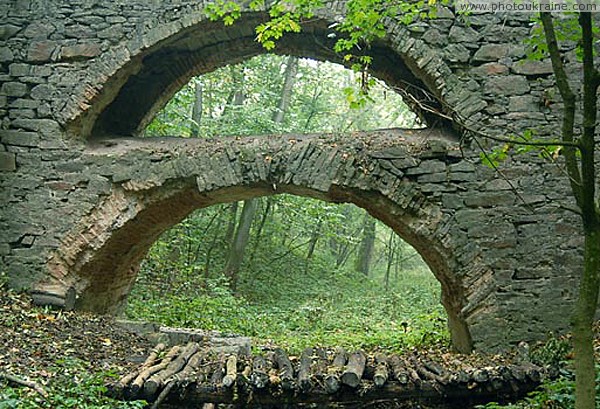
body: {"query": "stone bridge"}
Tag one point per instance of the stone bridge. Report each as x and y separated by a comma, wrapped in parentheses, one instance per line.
(83, 198)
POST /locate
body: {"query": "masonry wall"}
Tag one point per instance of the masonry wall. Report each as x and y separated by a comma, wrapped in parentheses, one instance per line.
(516, 256)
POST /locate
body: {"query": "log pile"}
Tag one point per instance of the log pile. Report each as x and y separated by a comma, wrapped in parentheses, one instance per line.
(186, 376)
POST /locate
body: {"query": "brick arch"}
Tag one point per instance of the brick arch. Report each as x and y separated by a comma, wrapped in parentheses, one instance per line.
(158, 182)
(125, 90)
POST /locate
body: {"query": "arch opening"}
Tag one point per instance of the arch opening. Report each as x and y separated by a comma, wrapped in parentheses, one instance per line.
(131, 98)
(103, 264)
(322, 273)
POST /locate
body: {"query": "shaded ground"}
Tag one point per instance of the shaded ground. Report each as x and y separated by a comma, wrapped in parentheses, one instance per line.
(35, 342)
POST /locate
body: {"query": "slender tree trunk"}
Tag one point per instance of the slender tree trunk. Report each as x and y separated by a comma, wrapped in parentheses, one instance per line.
(197, 109)
(582, 176)
(242, 235)
(390, 260)
(314, 238)
(367, 244)
(263, 221)
(233, 210)
(291, 70)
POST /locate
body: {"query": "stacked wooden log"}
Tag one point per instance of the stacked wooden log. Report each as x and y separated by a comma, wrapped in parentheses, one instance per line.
(188, 375)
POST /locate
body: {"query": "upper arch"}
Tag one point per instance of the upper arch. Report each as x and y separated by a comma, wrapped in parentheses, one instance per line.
(129, 86)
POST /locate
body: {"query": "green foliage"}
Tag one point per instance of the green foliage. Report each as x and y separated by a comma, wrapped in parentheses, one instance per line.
(317, 104)
(73, 386)
(553, 394)
(283, 296)
(523, 144)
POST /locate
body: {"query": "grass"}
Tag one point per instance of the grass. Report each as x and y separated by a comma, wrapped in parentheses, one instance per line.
(301, 310)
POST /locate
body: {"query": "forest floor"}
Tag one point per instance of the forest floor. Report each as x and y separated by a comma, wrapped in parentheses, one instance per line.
(36, 342)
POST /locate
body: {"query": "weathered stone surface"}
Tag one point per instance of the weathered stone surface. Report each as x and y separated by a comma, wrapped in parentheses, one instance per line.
(507, 85)
(80, 51)
(13, 89)
(491, 52)
(41, 51)
(83, 73)
(6, 54)
(8, 30)
(531, 67)
(7, 162)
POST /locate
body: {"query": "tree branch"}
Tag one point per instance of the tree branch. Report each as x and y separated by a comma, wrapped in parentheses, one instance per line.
(568, 123)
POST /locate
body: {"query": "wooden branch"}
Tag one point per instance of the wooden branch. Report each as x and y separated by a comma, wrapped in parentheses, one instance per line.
(22, 382)
(354, 369)
(163, 394)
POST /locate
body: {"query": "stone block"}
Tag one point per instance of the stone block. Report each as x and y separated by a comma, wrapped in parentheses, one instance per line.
(522, 103)
(19, 70)
(19, 138)
(464, 35)
(533, 68)
(8, 30)
(427, 166)
(491, 52)
(6, 54)
(8, 162)
(457, 53)
(80, 51)
(490, 199)
(41, 91)
(489, 69)
(507, 85)
(13, 89)
(41, 51)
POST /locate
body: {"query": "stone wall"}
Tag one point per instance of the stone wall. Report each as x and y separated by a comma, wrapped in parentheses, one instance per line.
(80, 205)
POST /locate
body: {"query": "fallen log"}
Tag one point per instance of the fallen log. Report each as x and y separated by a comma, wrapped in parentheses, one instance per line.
(285, 369)
(150, 360)
(332, 379)
(304, 371)
(381, 370)
(260, 369)
(152, 385)
(398, 370)
(138, 382)
(354, 369)
(230, 371)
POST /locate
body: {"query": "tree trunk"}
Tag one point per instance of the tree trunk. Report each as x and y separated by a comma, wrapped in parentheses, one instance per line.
(291, 71)
(367, 244)
(582, 176)
(583, 334)
(197, 109)
(233, 209)
(238, 247)
(314, 238)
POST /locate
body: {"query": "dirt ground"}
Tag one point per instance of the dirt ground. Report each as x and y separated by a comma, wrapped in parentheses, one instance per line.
(34, 340)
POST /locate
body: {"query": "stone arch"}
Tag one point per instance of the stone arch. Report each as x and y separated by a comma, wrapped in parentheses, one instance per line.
(123, 91)
(160, 181)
